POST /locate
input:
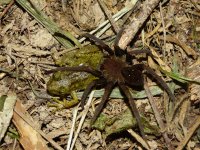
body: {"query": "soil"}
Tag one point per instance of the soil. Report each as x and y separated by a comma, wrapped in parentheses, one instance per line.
(28, 49)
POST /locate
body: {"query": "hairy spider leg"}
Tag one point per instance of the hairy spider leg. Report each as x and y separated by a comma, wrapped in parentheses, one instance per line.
(130, 76)
(160, 81)
(152, 73)
(99, 43)
(78, 69)
(146, 51)
(133, 107)
(89, 89)
(108, 90)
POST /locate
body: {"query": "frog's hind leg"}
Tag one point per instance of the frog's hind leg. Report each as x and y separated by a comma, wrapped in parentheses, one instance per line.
(70, 103)
(64, 103)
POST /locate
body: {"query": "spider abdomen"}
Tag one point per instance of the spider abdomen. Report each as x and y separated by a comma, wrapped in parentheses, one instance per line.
(111, 68)
(133, 75)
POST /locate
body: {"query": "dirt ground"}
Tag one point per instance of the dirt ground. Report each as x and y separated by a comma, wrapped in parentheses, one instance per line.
(35, 35)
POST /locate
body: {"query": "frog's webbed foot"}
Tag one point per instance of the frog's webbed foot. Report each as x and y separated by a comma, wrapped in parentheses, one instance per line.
(63, 104)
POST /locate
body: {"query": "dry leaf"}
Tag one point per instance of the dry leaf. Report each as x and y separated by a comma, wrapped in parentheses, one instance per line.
(7, 112)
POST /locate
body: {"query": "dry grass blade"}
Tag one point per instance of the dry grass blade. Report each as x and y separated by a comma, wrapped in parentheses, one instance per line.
(28, 47)
(84, 113)
(105, 25)
(161, 63)
(178, 105)
(138, 138)
(190, 132)
(72, 128)
(157, 115)
(164, 29)
(48, 24)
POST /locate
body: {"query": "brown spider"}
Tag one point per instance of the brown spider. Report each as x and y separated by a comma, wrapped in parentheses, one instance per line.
(116, 70)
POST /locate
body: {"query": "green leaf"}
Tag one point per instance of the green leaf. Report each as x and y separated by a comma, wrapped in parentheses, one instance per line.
(123, 121)
(2, 101)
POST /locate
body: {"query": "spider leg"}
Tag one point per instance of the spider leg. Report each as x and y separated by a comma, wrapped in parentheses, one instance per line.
(108, 90)
(89, 89)
(160, 81)
(99, 42)
(78, 69)
(133, 108)
(136, 52)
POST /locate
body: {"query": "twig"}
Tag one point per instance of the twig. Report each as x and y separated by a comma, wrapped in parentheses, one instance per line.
(64, 3)
(6, 9)
(137, 22)
(112, 22)
(157, 115)
(164, 31)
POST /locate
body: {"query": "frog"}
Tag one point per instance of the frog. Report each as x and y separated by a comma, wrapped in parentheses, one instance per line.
(65, 83)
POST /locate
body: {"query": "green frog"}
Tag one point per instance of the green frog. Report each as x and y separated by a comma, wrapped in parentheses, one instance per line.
(64, 83)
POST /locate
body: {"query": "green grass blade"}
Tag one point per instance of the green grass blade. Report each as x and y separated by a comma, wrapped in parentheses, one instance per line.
(179, 77)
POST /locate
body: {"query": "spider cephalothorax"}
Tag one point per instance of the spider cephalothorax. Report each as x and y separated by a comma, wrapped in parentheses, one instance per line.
(112, 69)
(116, 71)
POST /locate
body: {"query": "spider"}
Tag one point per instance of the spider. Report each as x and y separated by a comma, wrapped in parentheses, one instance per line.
(117, 70)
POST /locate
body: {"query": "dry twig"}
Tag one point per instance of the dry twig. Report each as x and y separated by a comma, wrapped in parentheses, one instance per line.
(6, 9)
(157, 115)
(112, 22)
(189, 134)
(137, 22)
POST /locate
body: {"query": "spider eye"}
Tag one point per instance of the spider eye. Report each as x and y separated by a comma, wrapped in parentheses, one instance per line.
(133, 76)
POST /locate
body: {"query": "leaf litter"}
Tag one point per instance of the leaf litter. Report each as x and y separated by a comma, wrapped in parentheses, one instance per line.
(171, 32)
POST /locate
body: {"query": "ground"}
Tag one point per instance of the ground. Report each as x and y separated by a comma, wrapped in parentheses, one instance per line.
(30, 45)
